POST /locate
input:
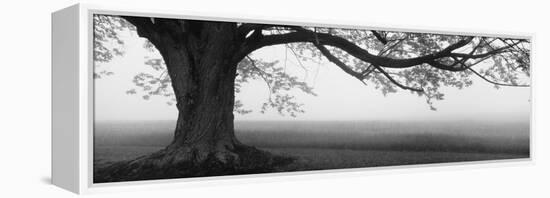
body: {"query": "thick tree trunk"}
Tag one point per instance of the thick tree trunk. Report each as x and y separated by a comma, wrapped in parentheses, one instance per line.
(203, 79)
(203, 72)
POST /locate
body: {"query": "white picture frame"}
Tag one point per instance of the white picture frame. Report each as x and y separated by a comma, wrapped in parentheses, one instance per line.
(72, 101)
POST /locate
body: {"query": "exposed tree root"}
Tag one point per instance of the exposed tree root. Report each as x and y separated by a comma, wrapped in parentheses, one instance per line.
(193, 161)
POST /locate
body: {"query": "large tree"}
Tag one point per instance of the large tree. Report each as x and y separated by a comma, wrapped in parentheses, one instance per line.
(206, 62)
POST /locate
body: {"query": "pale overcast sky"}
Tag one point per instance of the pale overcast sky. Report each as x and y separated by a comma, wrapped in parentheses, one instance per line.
(340, 97)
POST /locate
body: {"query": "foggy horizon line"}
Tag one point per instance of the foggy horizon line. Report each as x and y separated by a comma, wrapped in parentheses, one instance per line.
(493, 119)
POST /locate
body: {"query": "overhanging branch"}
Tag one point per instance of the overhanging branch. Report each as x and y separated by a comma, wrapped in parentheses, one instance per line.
(304, 35)
(338, 63)
(360, 76)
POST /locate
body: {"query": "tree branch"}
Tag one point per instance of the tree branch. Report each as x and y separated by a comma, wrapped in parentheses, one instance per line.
(397, 83)
(245, 28)
(338, 63)
(493, 52)
(360, 76)
(303, 35)
(144, 25)
(493, 82)
(262, 75)
(392, 46)
(379, 37)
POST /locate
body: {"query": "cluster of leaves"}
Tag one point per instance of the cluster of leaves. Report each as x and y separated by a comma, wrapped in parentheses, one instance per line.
(278, 81)
(505, 64)
(154, 85)
(106, 40)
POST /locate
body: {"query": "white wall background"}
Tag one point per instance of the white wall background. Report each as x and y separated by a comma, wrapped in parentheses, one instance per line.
(25, 102)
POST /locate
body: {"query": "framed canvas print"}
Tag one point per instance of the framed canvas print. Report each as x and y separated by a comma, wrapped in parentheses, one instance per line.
(141, 96)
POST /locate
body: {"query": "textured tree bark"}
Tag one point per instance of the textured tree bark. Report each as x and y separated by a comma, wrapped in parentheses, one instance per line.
(203, 79)
(202, 70)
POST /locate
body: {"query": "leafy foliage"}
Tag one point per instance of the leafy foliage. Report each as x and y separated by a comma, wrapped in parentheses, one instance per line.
(108, 44)
(106, 41)
(505, 68)
(500, 61)
(278, 81)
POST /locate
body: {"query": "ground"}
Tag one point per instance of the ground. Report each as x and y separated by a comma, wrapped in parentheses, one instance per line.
(336, 145)
(320, 159)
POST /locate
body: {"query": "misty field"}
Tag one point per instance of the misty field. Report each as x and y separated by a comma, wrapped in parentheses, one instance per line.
(336, 144)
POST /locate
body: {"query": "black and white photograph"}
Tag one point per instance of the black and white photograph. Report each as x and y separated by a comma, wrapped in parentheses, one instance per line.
(275, 99)
(183, 98)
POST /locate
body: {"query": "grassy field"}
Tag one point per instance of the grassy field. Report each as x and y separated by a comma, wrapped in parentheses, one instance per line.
(328, 145)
